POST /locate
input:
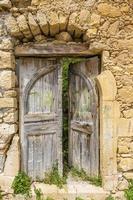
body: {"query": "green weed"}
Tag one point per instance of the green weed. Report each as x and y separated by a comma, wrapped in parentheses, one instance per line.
(129, 191)
(79, 198)
(38, 194)
(75, 172)
(21, 184)
(53, 177)
(110, 198)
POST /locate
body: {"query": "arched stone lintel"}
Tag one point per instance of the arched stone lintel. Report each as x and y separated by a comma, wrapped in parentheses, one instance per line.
(109, 115)
(107, 85)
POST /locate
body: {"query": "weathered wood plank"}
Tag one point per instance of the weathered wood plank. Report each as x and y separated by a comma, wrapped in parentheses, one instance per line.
(52, 50)
(83, 130)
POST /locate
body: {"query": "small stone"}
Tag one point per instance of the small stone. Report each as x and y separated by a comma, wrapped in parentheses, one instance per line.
(33, 25)
(41, 18)
(106, 9)
(40, 38)
(64, 36)
(128, 113)
(10, 93)
(5, 4)
(91, 33)
(122, 185)
(126, 94)
(95, 20)
(114, 28)
(123, 149)
(11, 117)
(6, 44)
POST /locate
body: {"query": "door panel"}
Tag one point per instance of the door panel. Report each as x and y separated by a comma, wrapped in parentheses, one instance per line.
(83, 117)
(41, 115)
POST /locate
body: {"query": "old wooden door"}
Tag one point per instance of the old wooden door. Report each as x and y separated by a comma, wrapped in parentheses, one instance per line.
(40, 115)
(83, 117)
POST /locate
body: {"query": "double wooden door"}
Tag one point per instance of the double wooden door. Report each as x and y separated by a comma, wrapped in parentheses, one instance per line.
(40, 82)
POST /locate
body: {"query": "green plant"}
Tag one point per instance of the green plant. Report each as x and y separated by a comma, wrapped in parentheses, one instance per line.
(75, 172)
(21, 184)
(1, 196)
(38, 193)
(53, 177)
(79, 198)
(129, 191)
(110, 198)
(49, 198)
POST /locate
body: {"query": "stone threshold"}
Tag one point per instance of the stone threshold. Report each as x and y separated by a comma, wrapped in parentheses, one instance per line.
(70, 191)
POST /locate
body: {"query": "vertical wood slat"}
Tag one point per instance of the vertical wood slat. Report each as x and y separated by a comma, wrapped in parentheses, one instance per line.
(40, 151)
(84, 147)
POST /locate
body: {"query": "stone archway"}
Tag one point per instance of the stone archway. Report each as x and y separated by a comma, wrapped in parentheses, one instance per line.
(109, 115)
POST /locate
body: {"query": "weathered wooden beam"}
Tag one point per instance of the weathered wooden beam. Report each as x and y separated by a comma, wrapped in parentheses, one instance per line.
(53, 50)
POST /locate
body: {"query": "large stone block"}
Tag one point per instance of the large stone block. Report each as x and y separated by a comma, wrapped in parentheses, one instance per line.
(42, 20)
(7, 79)
(8, 103)
(7, 60)
(24, 27)
(13, 27)
(125, 127)
(63, 21)
(8, 129)
(12, 163)
(54, 23)
(126, 164)
(33, 25)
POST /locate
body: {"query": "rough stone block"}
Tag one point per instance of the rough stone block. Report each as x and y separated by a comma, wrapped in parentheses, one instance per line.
(63, 21)
(5, 4)
(54, 23)
(42, 20)
(13, 27)
(11, 117)
(126, 94)
(126, 164)
(33, 25)
(8, 103)
(106, 9)
(24, 27)
(7, 79)
(8, 129)
(128, 113)
(7, 60)
(64, 36)
(12, 163)
(6, 44)
(125, 127)
(95, 20)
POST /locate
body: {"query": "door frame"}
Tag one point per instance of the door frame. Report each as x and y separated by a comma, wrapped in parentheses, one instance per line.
(108, 169)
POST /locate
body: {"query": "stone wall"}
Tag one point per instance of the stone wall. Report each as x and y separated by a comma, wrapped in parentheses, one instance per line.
(107, 25)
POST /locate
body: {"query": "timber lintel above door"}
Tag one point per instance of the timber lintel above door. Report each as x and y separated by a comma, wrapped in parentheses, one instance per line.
(53, 50)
